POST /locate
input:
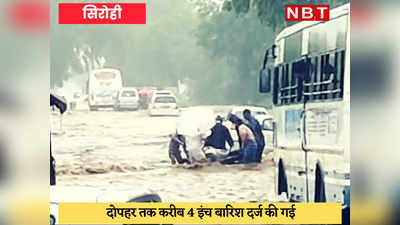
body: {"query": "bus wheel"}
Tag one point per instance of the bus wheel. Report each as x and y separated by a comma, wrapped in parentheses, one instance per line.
(319, 185)
(92, 108)
(282, 180)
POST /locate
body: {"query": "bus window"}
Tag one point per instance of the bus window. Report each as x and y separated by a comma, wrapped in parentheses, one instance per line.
(293, 85)
(293, 46)
(328, 36)
(300, 74)
(285, 84)
(275, 89)
(326, 76)
(320, 75)
(288, 82)
(317, 39)
(341, 32)
(281, 83)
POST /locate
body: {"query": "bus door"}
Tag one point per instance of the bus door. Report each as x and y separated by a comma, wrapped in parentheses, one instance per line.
(300, 76)
(288, 97)
(321, 133)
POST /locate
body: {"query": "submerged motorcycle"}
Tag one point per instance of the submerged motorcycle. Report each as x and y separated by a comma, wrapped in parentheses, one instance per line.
(223, 156)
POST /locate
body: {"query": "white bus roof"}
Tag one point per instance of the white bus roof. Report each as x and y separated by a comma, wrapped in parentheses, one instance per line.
(334, 13)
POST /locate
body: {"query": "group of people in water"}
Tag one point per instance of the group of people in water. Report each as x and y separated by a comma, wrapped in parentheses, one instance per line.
(250, 137)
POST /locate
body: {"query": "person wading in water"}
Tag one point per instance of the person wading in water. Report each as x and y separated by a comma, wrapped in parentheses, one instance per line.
(175, 143)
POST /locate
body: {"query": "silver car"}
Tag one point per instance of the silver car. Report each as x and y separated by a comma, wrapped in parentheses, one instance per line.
(127, 98)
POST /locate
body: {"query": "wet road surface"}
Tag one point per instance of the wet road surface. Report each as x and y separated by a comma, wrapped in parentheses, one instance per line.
(128, 152)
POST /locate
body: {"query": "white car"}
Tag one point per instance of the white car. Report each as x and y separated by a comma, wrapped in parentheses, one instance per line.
(257, 112)
(127, 98)
(163, 105)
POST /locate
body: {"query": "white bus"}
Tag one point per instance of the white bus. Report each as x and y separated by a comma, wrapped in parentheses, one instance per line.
(103, 86)
(308, 77)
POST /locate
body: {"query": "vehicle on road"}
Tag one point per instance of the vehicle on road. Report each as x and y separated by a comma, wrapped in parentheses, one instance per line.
(163, 105)
(102, 87)
(260, 113)
(127, 98)
(309, 78)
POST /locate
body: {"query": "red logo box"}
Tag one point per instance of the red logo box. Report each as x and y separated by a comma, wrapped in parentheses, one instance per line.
(307, 12)
(102, 13)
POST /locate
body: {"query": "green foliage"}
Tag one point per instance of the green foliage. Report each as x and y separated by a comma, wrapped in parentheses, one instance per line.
(240, 42)
(227, 6)
(241, 6)
(216, 53)
(238, 35)
(158, 53)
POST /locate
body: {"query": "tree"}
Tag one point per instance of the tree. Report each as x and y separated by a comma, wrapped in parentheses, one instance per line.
(240, 42)
(239, 31)
(158, 53)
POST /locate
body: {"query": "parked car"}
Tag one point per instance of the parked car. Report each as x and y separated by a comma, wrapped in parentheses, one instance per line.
(163, 105)
(127, 98)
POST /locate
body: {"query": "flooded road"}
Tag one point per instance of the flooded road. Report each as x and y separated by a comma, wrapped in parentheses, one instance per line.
(128, 151)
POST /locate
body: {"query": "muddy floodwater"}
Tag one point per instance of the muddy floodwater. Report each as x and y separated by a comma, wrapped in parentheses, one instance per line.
(128, 151)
